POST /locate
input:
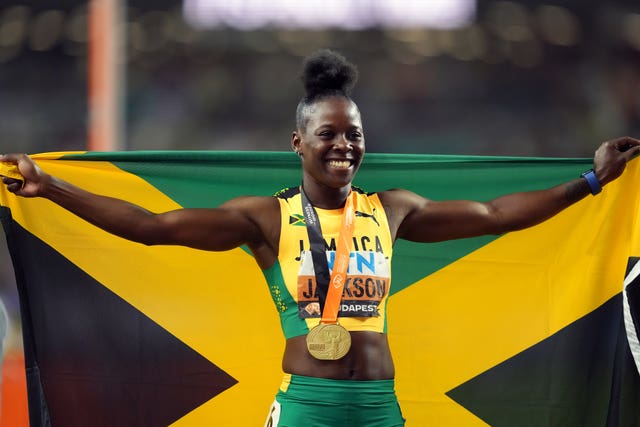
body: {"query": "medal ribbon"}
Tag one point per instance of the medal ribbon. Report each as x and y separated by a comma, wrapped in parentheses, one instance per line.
(329, 288)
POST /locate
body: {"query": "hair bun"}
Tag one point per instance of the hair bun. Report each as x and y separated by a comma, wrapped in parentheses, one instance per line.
(327, 72)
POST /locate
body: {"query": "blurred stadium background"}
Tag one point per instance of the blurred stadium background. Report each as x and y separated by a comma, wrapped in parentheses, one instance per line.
(483, 77)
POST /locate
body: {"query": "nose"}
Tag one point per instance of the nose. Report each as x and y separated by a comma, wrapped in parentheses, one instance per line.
(343, 143)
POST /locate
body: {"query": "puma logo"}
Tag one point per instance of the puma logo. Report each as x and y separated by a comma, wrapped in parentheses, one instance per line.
(372, 215)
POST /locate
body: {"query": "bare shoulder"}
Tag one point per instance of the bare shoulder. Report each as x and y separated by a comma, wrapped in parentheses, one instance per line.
(262, 211)
(250, 203)
(400, 199)
(398, 203)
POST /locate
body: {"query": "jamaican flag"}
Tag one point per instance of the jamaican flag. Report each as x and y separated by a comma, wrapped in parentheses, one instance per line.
(523, 329)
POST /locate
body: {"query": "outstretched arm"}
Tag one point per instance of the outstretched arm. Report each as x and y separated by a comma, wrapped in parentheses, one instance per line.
(416, 218)
(222, 228)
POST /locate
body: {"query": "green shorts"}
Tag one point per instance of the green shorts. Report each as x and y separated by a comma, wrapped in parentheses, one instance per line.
(318, 402)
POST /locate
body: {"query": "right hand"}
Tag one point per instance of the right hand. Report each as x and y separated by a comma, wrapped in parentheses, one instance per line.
(34, 177)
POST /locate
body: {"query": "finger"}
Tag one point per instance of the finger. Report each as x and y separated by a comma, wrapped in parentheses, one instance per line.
(631, 152)
(15, 186)
(625, 143)
(13, 158)
(7, 180)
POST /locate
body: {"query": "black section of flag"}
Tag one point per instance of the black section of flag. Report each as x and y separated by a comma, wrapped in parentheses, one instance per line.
(632, 291)
(297, 220)
(92, 359)
(582, 375)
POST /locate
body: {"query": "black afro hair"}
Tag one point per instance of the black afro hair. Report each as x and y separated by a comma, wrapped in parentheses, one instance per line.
(326, 73)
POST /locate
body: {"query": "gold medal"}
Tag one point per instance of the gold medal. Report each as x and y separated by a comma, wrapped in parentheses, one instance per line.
(328, 341)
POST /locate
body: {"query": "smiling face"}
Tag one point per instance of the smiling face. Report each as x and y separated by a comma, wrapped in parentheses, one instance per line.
(331, 145)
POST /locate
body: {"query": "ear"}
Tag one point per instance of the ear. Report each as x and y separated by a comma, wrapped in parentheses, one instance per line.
(295, 142)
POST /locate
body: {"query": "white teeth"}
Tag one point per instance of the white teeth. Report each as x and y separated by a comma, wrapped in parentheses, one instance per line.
(340, 164)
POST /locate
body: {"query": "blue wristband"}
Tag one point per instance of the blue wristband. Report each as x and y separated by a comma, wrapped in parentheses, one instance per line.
(592, 180)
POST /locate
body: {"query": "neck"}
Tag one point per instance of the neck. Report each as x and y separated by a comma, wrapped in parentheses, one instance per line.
(325, 197)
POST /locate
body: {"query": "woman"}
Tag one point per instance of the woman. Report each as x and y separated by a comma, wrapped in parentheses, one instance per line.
(330, 295)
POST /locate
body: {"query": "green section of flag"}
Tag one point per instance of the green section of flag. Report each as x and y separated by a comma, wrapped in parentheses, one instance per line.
(209, 178)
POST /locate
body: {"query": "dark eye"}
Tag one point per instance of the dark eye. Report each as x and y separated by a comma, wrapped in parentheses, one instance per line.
(355, 136)
(326, 134)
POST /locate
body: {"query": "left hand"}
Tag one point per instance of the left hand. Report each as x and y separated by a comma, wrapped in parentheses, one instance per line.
(612, 156)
